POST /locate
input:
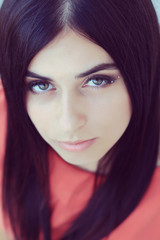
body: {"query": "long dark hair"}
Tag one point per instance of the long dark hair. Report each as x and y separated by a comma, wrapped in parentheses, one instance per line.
(129, 32)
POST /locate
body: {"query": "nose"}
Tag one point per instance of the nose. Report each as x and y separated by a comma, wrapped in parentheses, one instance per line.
(72, 115)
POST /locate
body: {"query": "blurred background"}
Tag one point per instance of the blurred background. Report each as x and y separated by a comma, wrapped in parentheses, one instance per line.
(155, 2)
(157, 7)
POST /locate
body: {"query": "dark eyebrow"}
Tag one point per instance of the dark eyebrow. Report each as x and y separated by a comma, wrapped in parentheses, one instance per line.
(103, 66)
(35, 75)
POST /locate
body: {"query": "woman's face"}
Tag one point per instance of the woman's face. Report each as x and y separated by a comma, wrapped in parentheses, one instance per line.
(75, 93)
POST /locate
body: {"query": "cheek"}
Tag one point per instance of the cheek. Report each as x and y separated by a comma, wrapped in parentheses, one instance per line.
(112, 113)
(38, 114)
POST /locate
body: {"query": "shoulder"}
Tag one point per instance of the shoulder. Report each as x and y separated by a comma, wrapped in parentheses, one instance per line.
(144, 222)
(5, 232)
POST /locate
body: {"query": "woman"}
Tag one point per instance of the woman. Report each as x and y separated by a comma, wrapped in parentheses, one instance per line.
(81, 82)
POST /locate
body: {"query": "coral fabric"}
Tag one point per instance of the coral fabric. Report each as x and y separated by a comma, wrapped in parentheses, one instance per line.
(71, 189)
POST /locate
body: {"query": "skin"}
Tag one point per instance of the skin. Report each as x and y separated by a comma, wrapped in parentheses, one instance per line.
(70, 108)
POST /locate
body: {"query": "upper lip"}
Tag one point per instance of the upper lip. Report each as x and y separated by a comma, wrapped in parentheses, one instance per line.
(76, 142)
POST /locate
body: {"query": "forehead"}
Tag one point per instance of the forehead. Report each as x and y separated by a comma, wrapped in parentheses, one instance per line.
(71, 52)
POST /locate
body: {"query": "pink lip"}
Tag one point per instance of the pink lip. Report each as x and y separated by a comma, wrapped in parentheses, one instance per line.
(77, 146)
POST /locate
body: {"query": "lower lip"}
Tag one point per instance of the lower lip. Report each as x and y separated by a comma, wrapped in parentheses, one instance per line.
(78, 146)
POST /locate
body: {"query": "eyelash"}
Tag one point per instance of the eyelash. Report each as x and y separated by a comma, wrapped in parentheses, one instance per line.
(104, 78)
(37, 83)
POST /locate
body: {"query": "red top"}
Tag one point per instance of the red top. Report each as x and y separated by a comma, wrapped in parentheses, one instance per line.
(72, 187)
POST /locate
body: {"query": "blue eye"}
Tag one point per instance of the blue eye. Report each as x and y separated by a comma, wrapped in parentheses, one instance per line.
(40, 86)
